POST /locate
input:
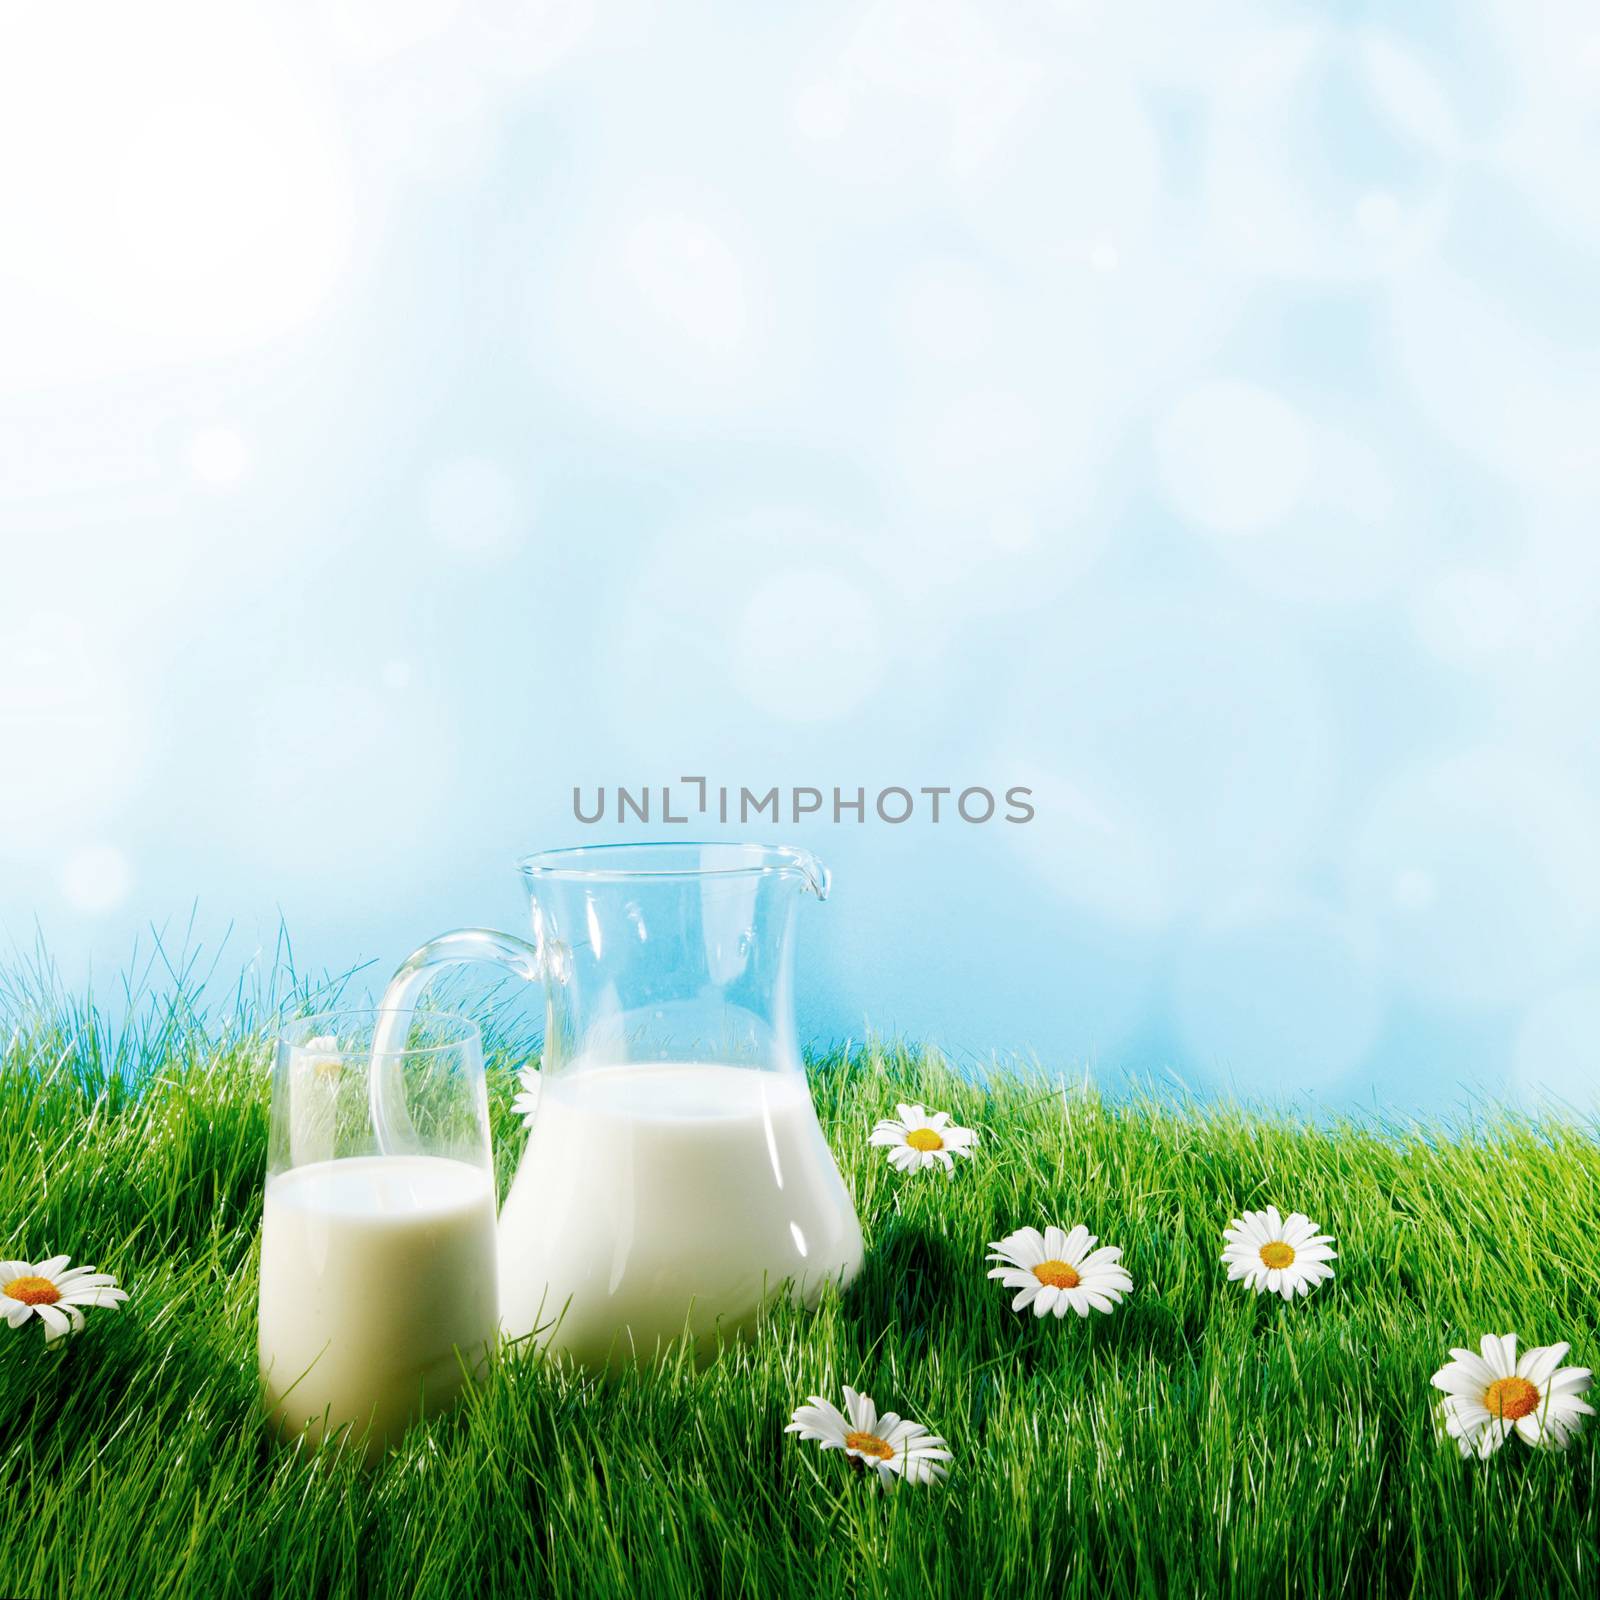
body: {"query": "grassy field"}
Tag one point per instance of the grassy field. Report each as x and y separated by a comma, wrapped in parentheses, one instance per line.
(1198, 1441)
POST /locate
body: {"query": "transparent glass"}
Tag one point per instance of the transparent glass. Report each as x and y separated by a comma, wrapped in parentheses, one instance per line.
(378, 1275)
(675, 1174)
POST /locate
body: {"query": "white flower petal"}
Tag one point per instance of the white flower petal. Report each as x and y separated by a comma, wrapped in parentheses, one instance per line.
(68, 1282)
(109, 1299)
(862, 1411)
(1539, 1362)
(55, 1322)
(1467, 1416)
(1500, 1354)
(1474, 1366)
(1252, 1228)
(1108, 1280)
(1025, 1247)
(819, 1419)
(1492, 1435)
(1531, 1429)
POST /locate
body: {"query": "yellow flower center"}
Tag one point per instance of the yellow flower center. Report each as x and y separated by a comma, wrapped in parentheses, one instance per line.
(1510, 1398)
(1278, 1254)
(1057, 1274)
(869, 1444)
(924, 1139)
(34, 1291)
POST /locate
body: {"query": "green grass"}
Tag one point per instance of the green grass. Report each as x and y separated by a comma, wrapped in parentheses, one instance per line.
(1199, 1441)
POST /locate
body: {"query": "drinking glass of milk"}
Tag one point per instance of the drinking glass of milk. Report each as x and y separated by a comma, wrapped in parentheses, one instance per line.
(675, 1174)
(378, 1287)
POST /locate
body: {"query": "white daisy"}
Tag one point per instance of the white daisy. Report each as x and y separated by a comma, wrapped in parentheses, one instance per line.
(527, 1102)
(918, 1139)
(894, 1446)
(54, 1294)
(1488, 1396)
(1275, 1256)
(1055, 1270)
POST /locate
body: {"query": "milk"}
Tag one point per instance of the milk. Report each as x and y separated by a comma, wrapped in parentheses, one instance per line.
(374, 1270)
(654, 1197)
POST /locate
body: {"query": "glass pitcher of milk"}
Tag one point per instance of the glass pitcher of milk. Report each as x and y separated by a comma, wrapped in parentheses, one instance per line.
(675, 1174)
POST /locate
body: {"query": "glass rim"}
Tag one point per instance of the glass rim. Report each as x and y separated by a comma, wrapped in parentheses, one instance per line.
(317, 1023)
(665, 858)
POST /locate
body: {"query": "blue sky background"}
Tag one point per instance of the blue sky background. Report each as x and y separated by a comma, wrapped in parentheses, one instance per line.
(410, 410)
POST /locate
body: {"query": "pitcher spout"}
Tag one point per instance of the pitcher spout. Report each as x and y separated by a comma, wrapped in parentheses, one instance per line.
(816, 877)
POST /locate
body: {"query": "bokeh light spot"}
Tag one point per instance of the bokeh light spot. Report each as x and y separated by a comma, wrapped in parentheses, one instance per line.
(1234, 457)
(369, 30)
(219, 457)
(807, 646)
(1378, 213)
(1505, 842)
(1104, 256)
(1182, 769)
(96, 879)
(1556, 1058)
(688, 278)
(942, 310)
(1306, 132)
(1470, 615)
(474, 506)
(1278, 997)
(822, 111)
(1414, 890)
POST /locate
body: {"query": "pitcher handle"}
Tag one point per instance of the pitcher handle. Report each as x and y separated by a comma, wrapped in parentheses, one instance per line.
(390, 1122)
